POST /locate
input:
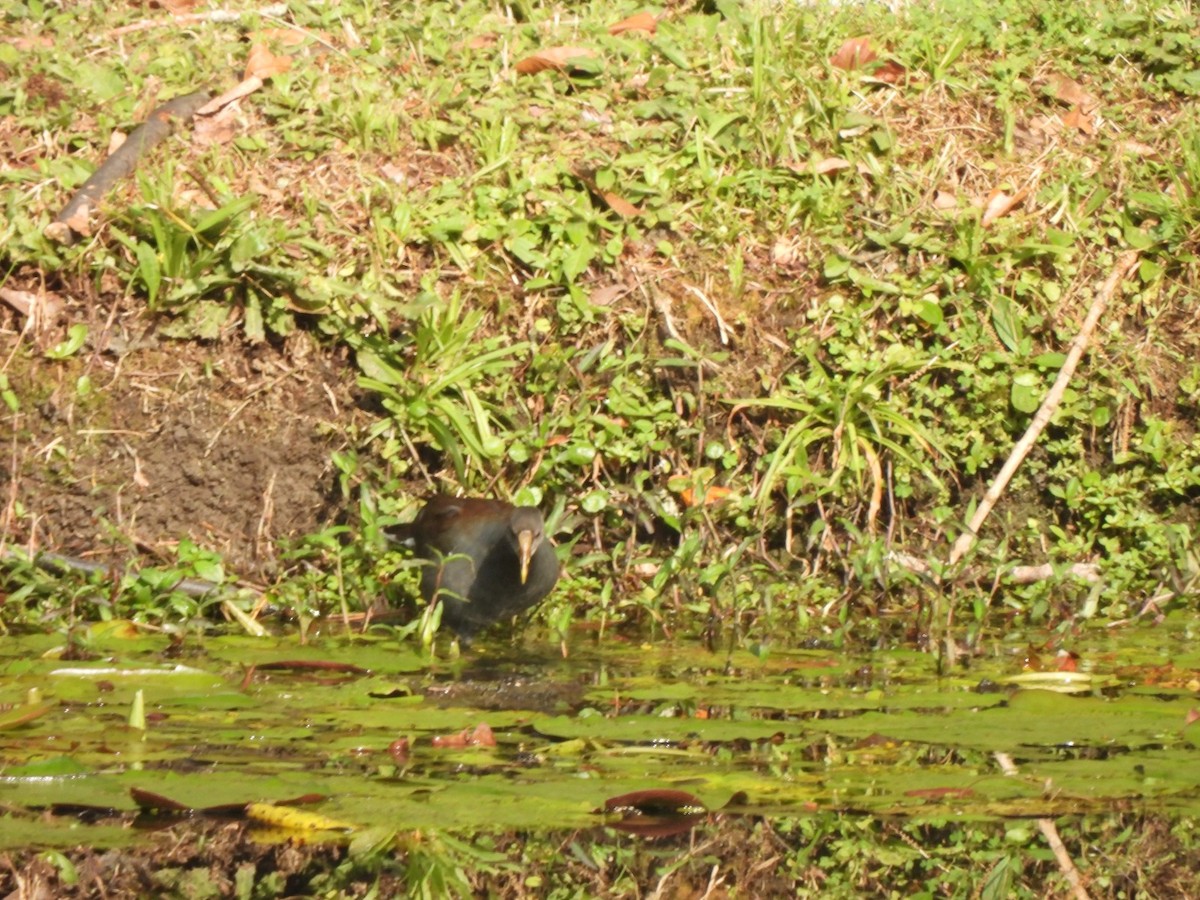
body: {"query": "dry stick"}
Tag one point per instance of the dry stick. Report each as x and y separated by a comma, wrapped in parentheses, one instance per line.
(216, 15)
(966, 540)
(124, 160)
(1050, 832)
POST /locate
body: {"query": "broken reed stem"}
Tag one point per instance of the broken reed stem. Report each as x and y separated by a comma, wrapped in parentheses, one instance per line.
(1049, 830)
(967, 539)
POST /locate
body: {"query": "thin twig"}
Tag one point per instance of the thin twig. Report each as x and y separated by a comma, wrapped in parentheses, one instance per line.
(215, 15)
(1050, 832)
(967, 539)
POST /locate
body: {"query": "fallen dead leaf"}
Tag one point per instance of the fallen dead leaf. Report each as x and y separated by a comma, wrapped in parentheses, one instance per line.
(1137, 148)
(620, 205)
(944, 200)
(78, 223)
(217, 129)
(483, 41)
(1078, 119)
(24, 302)
(394, 173)
(1070, 92)
(708, 496)
(25, 44)
(262, 63)
(786, 252)
(235, 93)
(830, 164)
(853, 54)
(890, 72)
(643, 21)
(557, 58)
(1000, 204)
(482, 736)
(608, 294)
(115, 140)
(291, 37)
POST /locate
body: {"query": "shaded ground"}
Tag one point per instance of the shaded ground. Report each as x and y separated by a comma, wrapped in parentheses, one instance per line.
(223, 444)
(726, 857)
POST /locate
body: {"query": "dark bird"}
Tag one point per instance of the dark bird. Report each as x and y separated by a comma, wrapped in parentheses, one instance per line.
(486, 560)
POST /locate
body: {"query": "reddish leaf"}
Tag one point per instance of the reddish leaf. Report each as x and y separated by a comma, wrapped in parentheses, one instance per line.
(1067, 661)
(399, 750)
(552, 58)
(655, 813)
(620, 205)
(615, 202)
(643, 21)
(451, 740)
(657, 826)
(890, 72)
(853, 54)
(1193, 715)
(482, 736)
(710, 495)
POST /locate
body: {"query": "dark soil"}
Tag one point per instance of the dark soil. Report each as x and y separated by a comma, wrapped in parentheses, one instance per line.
(225, 444)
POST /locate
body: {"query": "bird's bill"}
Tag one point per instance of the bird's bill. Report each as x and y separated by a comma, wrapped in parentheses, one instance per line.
(525, 545)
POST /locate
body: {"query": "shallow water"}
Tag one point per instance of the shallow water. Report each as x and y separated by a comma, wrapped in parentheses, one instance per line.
(781, 733)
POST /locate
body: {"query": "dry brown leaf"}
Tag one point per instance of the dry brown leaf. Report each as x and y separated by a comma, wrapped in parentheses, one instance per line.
(394, 173)
(37, 41)
(24, 302)
(890, 72)
(786, 252)
(643, 21)
(237, 92)
(830, 164)
(709, 496)
(1076, 118)
(1000, 204)
(944, 200)
(214, 130)
(115, 140)
(1137, 148)
(1071, 93)
(620, 205)
(290, 37)
(607, 295)
(552, 58)
(483, 41)
(78, 223)
(262, 63)
(854, 54)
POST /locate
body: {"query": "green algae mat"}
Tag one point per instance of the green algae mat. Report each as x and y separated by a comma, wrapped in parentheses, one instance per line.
(363, 735)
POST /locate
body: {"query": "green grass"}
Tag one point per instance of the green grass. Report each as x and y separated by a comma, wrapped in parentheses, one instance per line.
(865, 352)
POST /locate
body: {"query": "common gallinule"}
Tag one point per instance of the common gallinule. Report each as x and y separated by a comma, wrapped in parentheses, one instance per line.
(487, 560)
